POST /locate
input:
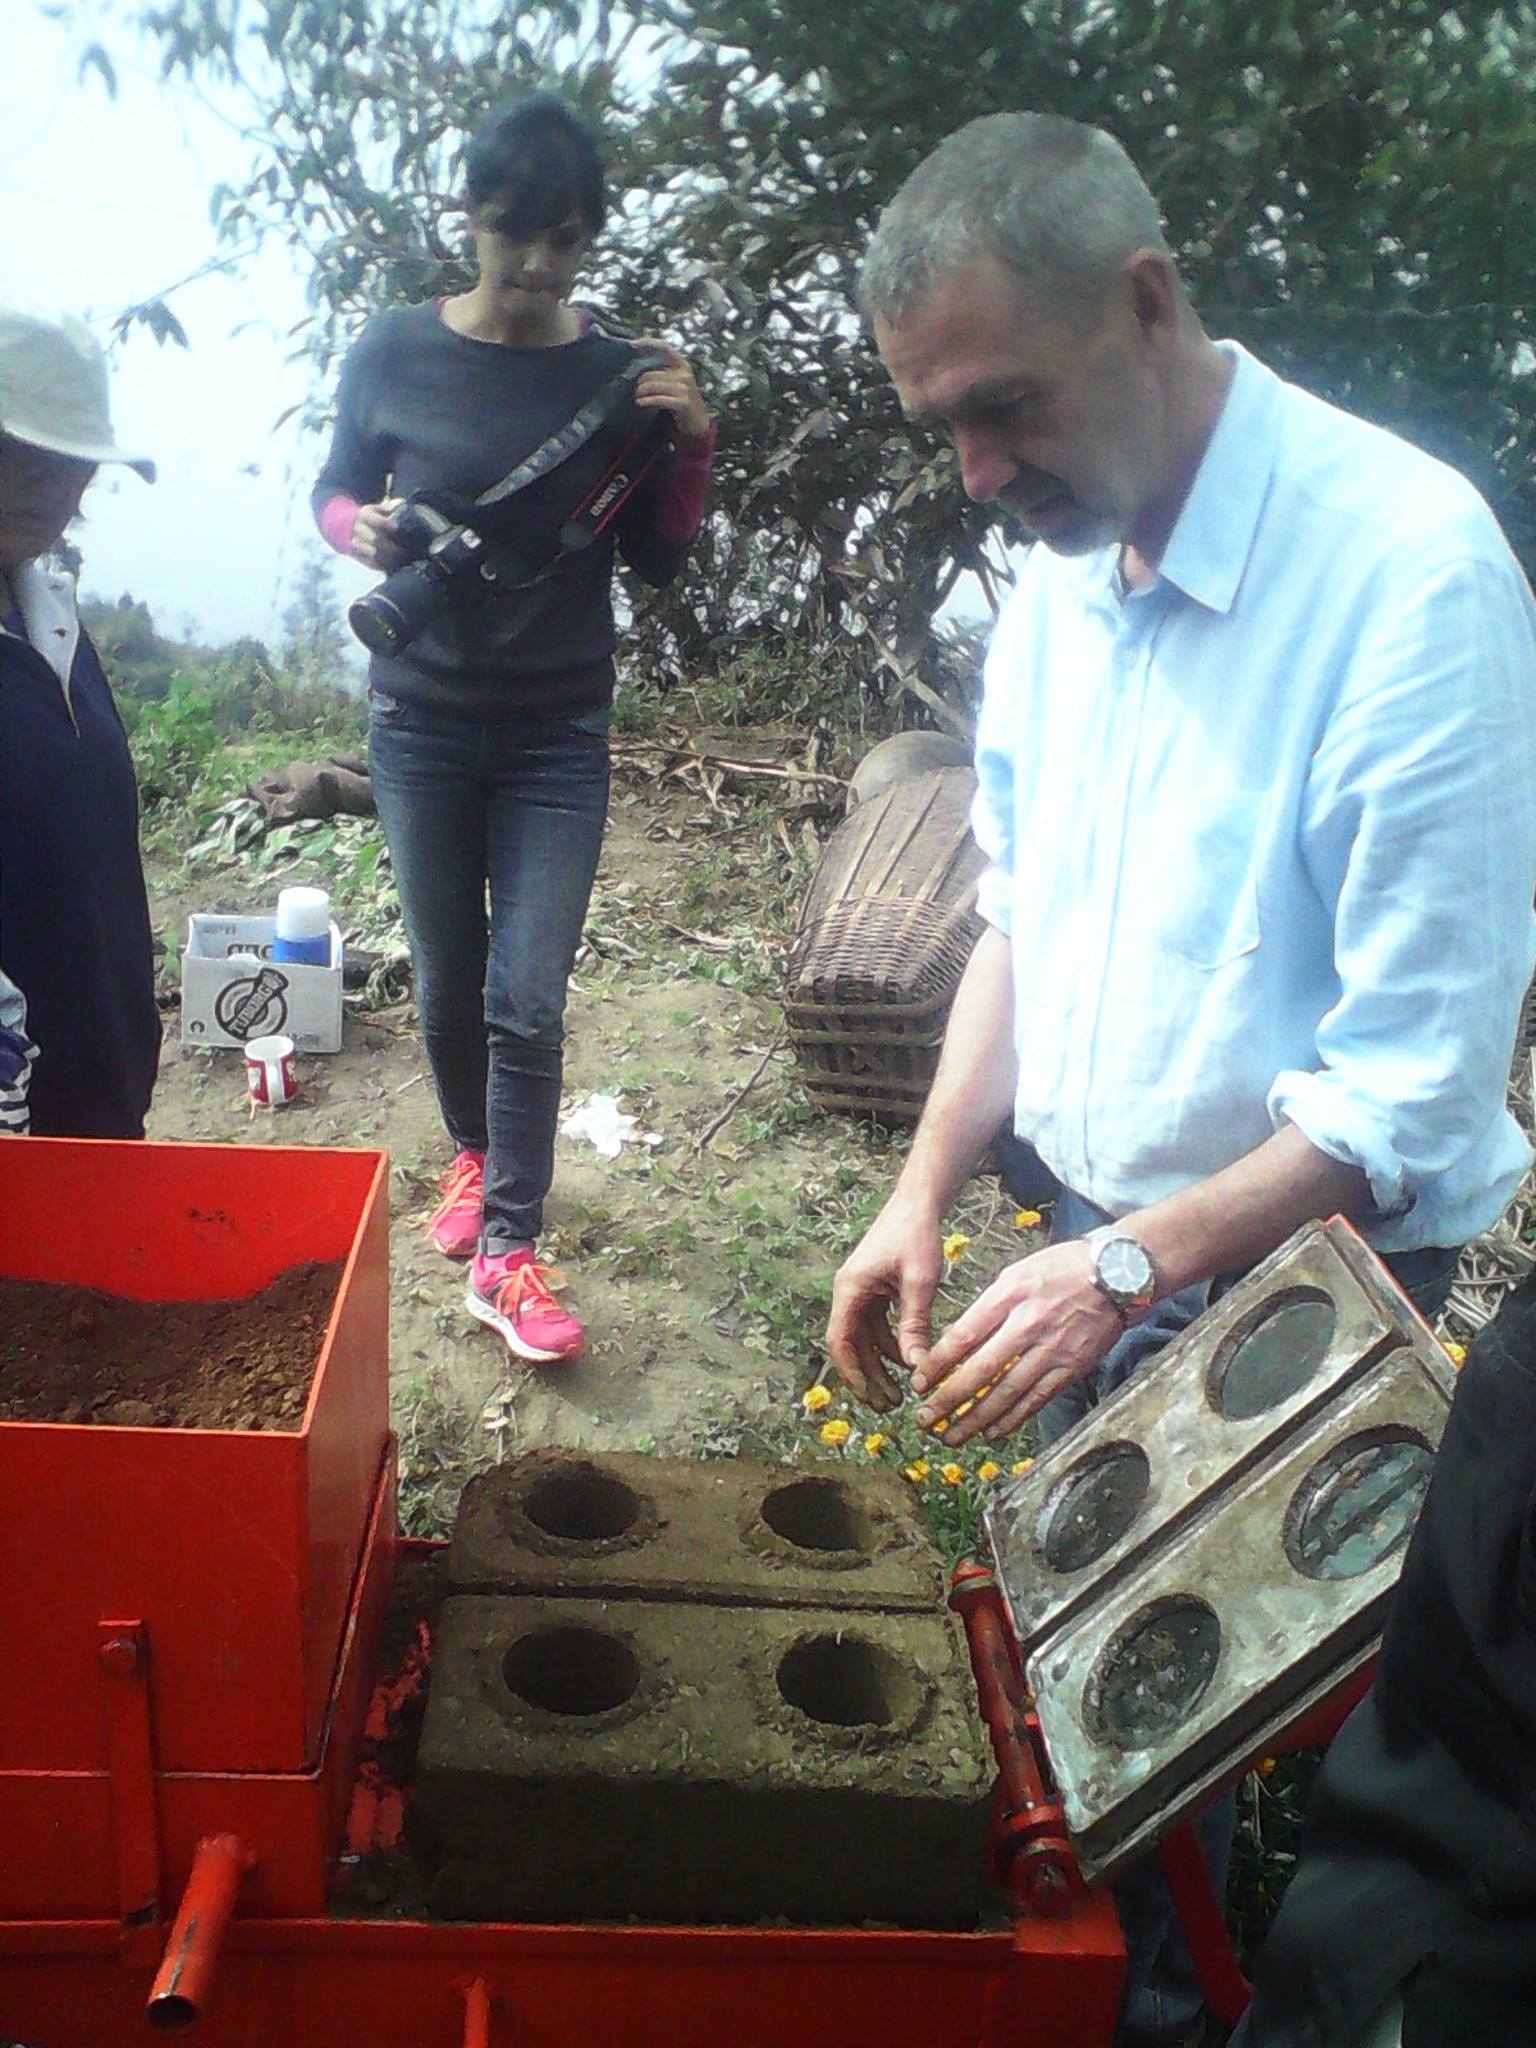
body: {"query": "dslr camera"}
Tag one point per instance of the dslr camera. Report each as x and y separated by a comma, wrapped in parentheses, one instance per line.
(446, 555)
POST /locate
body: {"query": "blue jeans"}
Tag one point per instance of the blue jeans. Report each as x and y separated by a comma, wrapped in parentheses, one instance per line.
(1162, 1999)
(494, 828)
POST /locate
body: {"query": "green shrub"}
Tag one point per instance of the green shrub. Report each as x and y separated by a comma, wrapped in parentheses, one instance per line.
(174, 742)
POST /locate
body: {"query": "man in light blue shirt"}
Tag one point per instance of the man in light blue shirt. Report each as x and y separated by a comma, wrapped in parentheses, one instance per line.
(1258, 784)
(1263, 830)
(1257, 766)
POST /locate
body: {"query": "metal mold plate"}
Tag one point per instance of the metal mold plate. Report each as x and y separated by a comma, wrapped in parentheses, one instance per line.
(1241, 1617)
(1291, 1337)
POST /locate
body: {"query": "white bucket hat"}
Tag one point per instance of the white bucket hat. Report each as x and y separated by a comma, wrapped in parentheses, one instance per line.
(53, 387)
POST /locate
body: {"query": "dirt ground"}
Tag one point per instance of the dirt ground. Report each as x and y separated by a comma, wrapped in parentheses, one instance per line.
(72, 1354)
(676, 1257)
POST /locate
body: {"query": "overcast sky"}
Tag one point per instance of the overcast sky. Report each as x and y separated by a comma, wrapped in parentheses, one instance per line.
(104, 204)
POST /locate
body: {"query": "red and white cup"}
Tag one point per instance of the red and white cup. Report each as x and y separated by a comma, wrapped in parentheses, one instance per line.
(269, 1075)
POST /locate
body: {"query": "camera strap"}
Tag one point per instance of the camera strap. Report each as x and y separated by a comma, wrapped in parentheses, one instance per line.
(574, 435)
(618, 483)
(597, 510)
(613, 489)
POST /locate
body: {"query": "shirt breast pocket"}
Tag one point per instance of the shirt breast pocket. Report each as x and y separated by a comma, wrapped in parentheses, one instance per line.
(1203, 905)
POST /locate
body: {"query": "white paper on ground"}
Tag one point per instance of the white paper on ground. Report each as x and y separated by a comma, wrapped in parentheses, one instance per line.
(605, 1126)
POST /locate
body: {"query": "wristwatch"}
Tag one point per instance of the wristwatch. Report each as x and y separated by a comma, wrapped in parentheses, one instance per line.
(1123, 1270)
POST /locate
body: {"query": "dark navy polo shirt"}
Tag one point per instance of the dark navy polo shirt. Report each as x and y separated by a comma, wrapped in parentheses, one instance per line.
(74, 918)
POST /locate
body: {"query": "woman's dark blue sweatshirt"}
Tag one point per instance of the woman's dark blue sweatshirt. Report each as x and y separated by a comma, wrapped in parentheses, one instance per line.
(423, 409)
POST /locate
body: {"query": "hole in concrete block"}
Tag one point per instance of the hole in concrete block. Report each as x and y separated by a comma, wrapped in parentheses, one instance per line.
(1358, 1504)
(582, 1504)
(571, 1670)
(1273, 1354)
(1154, 1672)
(816, 1514)
(1090, 1509)
(847, 1682)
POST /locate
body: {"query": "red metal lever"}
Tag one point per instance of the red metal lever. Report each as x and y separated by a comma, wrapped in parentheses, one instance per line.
(186, 1970)
(1198, 1904)
(1030, 1854)
(477, 2015)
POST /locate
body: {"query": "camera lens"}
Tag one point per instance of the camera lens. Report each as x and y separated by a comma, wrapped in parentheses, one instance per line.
(389, 618)
(377, 623)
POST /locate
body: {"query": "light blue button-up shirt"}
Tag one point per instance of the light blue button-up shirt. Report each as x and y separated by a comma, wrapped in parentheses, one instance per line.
(1263, 836)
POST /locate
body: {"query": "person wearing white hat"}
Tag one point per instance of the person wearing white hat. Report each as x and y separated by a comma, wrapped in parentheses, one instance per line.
(74, 918)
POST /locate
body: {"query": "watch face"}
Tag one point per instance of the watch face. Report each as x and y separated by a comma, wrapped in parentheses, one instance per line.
(1124, 1268)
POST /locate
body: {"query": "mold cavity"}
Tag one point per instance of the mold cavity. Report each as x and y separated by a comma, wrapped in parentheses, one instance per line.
(1154, 1672)
(1358, 1504)
(816, 1514)
(1275, 1357)
(571, 1670)
(847, 1682)
(1089, 1510)
(582, 1503)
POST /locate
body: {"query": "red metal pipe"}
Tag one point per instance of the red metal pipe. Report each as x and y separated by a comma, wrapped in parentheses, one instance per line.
(1227, 1990)
(477, 2015)
(1031, 1856)
(186, 1970)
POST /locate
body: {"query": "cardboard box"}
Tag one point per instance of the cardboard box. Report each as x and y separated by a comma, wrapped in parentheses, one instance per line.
(223, 1003)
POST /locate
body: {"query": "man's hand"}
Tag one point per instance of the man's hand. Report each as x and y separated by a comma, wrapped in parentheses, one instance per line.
(672, 388)
(898, 1261)
(902, 1256)
(1041, 1325)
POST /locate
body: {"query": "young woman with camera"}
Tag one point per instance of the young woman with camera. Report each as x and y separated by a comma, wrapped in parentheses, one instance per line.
(488, 727)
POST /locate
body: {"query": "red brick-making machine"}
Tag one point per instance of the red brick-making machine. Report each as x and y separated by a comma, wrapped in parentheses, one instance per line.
(652, 1754)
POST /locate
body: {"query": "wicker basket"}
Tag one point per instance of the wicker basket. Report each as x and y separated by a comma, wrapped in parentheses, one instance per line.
(885, 932)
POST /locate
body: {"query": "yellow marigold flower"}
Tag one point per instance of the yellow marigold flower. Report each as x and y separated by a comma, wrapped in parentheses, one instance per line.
(917, 1471)
(953, 1475)
(836, 1433)
(1027, 1219)
(955, 1244)
(1456, 1353)
(814, 1399)
(875, 1442)
(988, 1471)
(940, 1423)
(1024, 1465)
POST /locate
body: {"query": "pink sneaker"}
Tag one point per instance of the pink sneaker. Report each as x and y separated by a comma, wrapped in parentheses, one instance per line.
(511, 1292)
(455, 1224)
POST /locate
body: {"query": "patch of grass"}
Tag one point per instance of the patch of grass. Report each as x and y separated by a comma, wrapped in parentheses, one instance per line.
(438, 1457)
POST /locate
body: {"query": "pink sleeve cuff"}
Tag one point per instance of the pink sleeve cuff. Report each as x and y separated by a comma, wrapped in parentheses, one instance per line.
(336, 519)
(680, 506)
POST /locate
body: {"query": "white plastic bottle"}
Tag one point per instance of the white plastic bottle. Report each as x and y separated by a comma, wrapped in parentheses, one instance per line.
(303, 927)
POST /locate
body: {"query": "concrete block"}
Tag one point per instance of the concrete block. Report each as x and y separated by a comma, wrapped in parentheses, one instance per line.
(726, 1531)
(588, 1760)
